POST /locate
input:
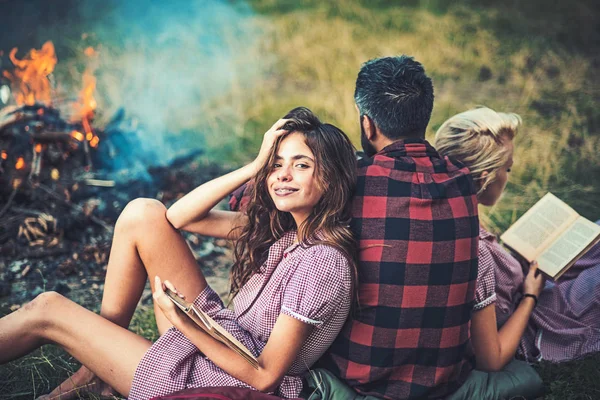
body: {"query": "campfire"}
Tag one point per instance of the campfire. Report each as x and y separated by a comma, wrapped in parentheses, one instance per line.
(64, 181)
(35, 142)
(40, 150)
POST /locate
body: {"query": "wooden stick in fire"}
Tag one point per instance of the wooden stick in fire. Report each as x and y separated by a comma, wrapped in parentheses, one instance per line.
(86, 143)
(36, 163)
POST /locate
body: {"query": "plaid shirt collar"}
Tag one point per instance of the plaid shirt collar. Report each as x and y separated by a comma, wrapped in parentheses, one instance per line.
(412, 147)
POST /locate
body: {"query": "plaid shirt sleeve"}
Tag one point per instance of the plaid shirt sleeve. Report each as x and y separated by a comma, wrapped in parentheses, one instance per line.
(240, 197)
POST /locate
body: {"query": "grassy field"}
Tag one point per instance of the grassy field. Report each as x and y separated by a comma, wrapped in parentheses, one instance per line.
(536, 58)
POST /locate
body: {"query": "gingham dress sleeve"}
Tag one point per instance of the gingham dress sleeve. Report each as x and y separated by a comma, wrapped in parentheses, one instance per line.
(317, 287)
(485, 289)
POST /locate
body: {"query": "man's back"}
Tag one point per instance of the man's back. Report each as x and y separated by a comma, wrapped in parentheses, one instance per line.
(415, 216)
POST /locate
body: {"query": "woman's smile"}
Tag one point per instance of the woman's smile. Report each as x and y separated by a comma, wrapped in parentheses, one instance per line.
(284, 191)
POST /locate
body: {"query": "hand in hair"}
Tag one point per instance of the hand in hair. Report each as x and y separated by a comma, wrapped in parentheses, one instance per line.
(194, 211)
(269, 140)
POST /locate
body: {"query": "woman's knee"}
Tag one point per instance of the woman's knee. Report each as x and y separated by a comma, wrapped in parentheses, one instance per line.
(142, 212)
(41, 309)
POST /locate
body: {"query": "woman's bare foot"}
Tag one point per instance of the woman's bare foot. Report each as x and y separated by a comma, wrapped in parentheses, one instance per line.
(80, 383)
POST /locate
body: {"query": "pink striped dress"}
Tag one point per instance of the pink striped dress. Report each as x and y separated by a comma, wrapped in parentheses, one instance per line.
(310, 284)
(565, 325)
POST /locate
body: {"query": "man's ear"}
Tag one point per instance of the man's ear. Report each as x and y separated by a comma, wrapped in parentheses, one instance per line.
(368, 127)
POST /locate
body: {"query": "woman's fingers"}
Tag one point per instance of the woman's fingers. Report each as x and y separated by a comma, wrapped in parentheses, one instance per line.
(171, 287)
(164, 303)
(278, 125)
(269, 140)
(534, 281)
(533, 267)
(158, 287)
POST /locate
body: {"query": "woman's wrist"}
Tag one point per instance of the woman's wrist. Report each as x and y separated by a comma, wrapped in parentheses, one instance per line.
(531, 296)
(183, 323)
(254, 168)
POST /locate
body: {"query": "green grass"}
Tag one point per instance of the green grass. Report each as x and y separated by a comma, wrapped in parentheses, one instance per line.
(575, 380)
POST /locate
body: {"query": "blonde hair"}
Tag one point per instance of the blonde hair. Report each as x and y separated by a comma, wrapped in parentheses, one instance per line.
(476, 138)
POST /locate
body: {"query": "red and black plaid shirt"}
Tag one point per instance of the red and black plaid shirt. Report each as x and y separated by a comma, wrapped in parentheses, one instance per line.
(415, 217)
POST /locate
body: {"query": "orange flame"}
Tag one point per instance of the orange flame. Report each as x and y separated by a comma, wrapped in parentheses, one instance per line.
(29, 79)
(4, 155)
(38, 148)
(87, 94)
(77, 136)
(20, 163)
(86, 104)
(94, 142)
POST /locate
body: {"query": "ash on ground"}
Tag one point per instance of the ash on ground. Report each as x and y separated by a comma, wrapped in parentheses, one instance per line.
(59, 238)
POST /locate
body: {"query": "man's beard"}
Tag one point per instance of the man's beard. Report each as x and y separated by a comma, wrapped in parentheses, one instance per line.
(364, 142)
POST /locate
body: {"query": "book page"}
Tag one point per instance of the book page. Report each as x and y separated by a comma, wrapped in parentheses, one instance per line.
(539, 226)
(568, 246)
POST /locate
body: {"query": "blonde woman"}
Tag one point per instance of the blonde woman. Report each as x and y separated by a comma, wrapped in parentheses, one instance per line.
(558, 322)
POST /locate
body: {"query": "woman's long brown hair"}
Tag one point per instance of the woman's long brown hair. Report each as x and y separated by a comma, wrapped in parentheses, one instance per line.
(329, 221)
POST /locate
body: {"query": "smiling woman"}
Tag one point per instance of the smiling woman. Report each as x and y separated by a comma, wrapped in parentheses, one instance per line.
(292, 183)
(293, 279)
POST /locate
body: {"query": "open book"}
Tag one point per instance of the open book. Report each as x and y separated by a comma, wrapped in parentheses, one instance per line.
(553, 234)
(212, 328)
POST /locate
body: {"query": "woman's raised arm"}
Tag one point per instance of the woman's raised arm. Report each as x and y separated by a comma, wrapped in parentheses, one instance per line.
(194, 211)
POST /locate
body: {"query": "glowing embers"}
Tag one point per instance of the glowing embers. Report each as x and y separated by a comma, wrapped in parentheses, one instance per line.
(77, 136)
(20, 163)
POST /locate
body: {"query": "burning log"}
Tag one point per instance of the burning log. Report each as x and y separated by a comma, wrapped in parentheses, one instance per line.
(35, 143)
(8, 116)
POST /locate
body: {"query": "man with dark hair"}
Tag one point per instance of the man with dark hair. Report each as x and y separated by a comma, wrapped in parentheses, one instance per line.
(415, 217)
(396, 96)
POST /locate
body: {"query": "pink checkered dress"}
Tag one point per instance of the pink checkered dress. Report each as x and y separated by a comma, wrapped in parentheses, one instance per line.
(310, 284)
(565, 325)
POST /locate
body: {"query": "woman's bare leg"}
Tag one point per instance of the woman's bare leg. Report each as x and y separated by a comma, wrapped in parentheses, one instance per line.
(144, 245)
(107, 349)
